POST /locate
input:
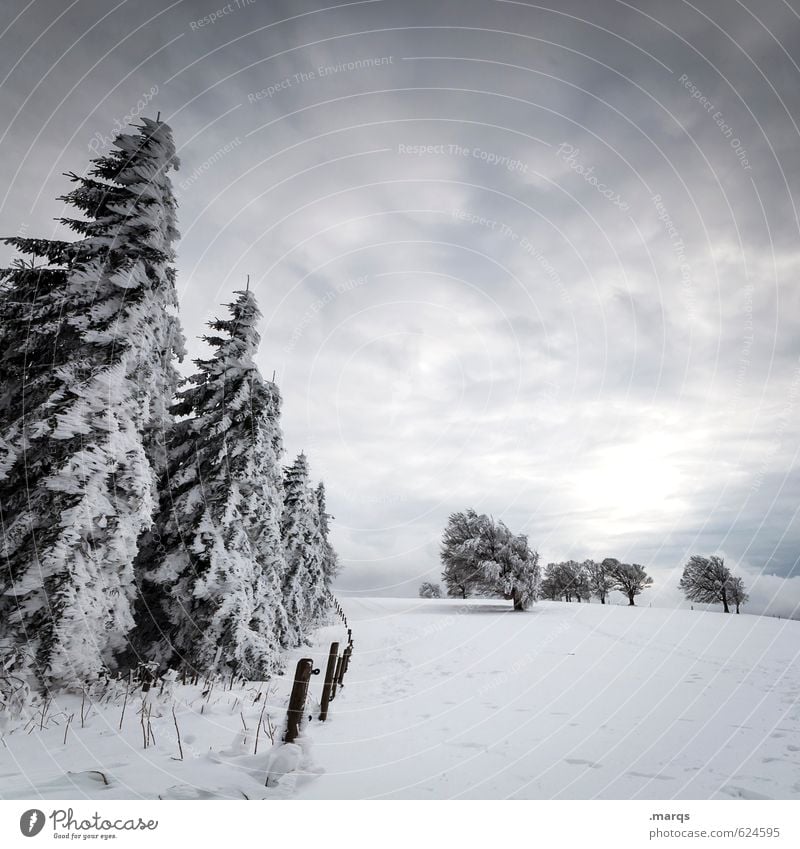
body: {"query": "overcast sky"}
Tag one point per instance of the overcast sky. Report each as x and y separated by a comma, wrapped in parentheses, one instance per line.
(538, 261)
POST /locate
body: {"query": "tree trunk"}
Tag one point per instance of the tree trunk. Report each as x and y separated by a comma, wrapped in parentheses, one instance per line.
(516, 597)
(737, 606)
(602, 599)
(631, 602)
(725, 603)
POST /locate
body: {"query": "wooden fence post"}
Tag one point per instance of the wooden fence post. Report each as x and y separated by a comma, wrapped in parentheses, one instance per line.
(333, 656)
(345, 663)
(297, 701)
(336, 675)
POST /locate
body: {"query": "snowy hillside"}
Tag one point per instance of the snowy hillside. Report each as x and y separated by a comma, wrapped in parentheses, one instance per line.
(450, 699)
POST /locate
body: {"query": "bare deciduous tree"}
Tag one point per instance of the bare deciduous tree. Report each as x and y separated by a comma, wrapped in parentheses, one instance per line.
(630, 579)
(707, 580)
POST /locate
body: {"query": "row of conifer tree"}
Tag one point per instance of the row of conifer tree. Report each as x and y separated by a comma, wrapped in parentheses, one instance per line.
(143, 517)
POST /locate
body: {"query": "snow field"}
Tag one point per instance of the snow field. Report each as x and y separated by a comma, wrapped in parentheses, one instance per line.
(450, 699)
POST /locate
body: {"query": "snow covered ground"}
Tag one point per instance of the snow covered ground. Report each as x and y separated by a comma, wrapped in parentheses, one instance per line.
(469, 700)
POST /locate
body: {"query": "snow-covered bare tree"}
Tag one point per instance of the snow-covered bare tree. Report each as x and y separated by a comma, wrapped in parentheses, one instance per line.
(427, 589)
(212, 589)
(485, 557)
(738, 594)
(707, 580)
(601, 581)
(460, 575)
(568, 580)
(630, 579)
(306, 588)
(518, 577)
(551, 583)
(90, 337)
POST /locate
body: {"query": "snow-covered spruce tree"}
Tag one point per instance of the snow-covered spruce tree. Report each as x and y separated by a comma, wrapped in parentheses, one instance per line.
(90, 337)
(212, 595)
(331, 565)
(306, 588)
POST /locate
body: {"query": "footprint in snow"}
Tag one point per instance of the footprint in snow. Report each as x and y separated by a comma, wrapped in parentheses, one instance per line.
(582, 762)
(187, 791)
(652, 775)
(742, 793)
(89, 778)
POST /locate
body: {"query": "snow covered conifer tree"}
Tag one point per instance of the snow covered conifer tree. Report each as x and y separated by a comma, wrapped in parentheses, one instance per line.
(213, 593)
(90, 337)
(306, 595)
(330, 559)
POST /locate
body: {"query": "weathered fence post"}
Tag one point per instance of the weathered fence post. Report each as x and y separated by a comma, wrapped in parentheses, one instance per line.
(297, 701)
(345, 663)
(333, 656)
(336, 676)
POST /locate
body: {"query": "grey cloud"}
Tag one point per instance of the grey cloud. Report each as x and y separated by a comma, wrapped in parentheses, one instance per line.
(547, 364)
